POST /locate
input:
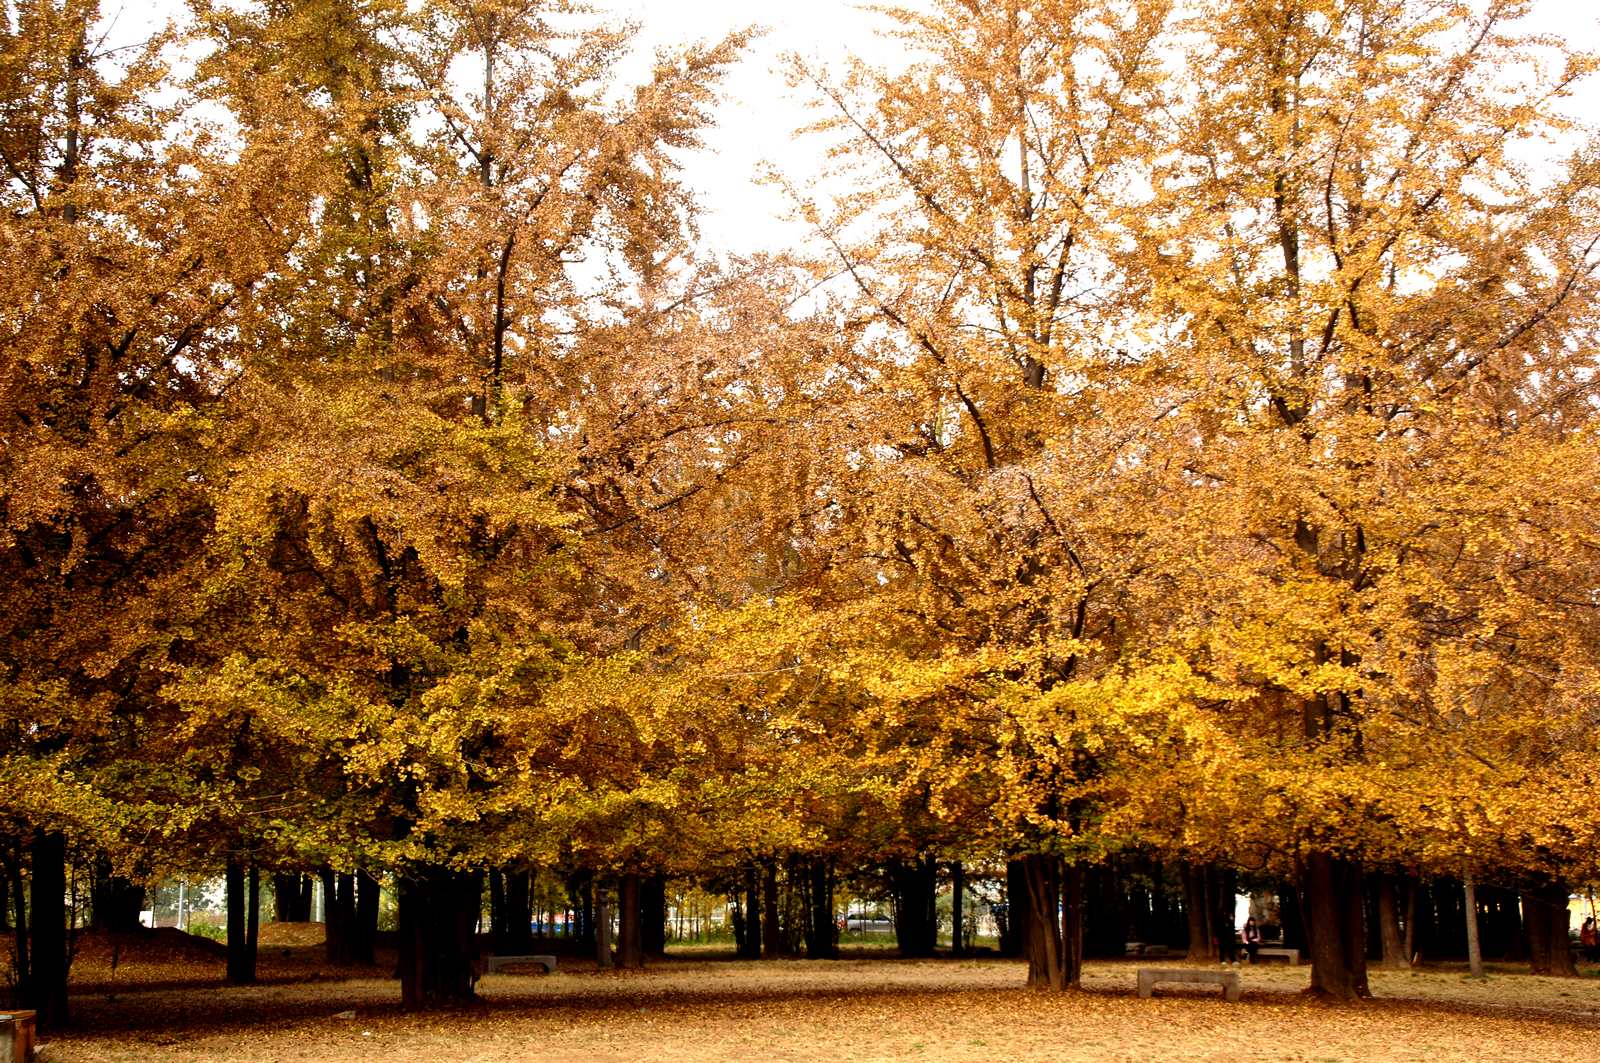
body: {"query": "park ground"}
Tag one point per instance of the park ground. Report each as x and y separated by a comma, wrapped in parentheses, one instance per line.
(164, 1001)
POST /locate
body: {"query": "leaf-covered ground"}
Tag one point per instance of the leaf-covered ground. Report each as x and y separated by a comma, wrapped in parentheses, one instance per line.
(860, 1009)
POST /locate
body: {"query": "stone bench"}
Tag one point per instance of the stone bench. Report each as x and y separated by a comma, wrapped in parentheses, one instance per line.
(1291, 955)
(1139, 948)
(497, 962)
(1228, 980)
(16, 1036)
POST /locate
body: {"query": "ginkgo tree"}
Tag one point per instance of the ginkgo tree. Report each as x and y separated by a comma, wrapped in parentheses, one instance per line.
(396, 547)
(1372, 318)
(986, 392)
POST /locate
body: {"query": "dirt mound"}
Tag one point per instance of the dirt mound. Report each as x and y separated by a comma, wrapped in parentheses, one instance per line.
(161, 945)
(290, 935)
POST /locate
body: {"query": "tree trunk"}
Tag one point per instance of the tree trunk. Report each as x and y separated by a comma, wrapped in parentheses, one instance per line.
(47, 984)
(602, 927)
(252, 925)
(1292, 919)
(438, 917)
(24, 968)
(364, 928)
(519, 909)
(1014, 934)
(1562, 964)
(1046, 969)
(1197, 902)
(1411, 922)
(630, 951)
(958, 886)
(1545, 914)
(1474, 948)
(740, 931)
(771, 932)
(752, 913)
(499, 925)
(1072, 927)
(1394, 947)
(1224, 889)
(653, 916)
(1335, 924)
(332, 923)
(241, 957)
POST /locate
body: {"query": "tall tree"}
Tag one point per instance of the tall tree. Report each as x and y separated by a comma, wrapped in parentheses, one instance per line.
(1371, 309)
(983, 406)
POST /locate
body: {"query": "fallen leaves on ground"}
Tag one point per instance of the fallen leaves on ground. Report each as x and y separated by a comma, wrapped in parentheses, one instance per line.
(859, 1010)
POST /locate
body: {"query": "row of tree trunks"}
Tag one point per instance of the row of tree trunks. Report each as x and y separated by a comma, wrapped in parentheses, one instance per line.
(511, 910)
(1108, 921)
(1131, 898)
(580, 890)
(750, 912)
(1392, 943)
(773, 915)
(243, 891)
(1510, 925)
(115, 902)
(602, 926)
(1014, 930)
(291, 897)
(1500, 928)
(350, 915)
(913, 887)
(438, 918)
(821, 932)
(1544, 911)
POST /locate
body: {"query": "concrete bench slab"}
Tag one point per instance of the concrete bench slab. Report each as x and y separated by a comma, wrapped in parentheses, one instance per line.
(497, 962)
(1228, 980)
(1291, 955)
(16, 1036)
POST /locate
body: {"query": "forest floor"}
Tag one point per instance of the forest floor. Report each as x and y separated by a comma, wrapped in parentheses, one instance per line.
(165, 1002)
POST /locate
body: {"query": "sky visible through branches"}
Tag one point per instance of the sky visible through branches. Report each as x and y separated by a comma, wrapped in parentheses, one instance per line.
(759, 115)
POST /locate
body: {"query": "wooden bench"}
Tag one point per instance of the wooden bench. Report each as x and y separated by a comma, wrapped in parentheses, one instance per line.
(497, 962)
(1291, 955)
(1228, 980)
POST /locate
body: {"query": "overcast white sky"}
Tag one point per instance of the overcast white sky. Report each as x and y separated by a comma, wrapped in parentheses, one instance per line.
(757, 122)
(759, 116)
